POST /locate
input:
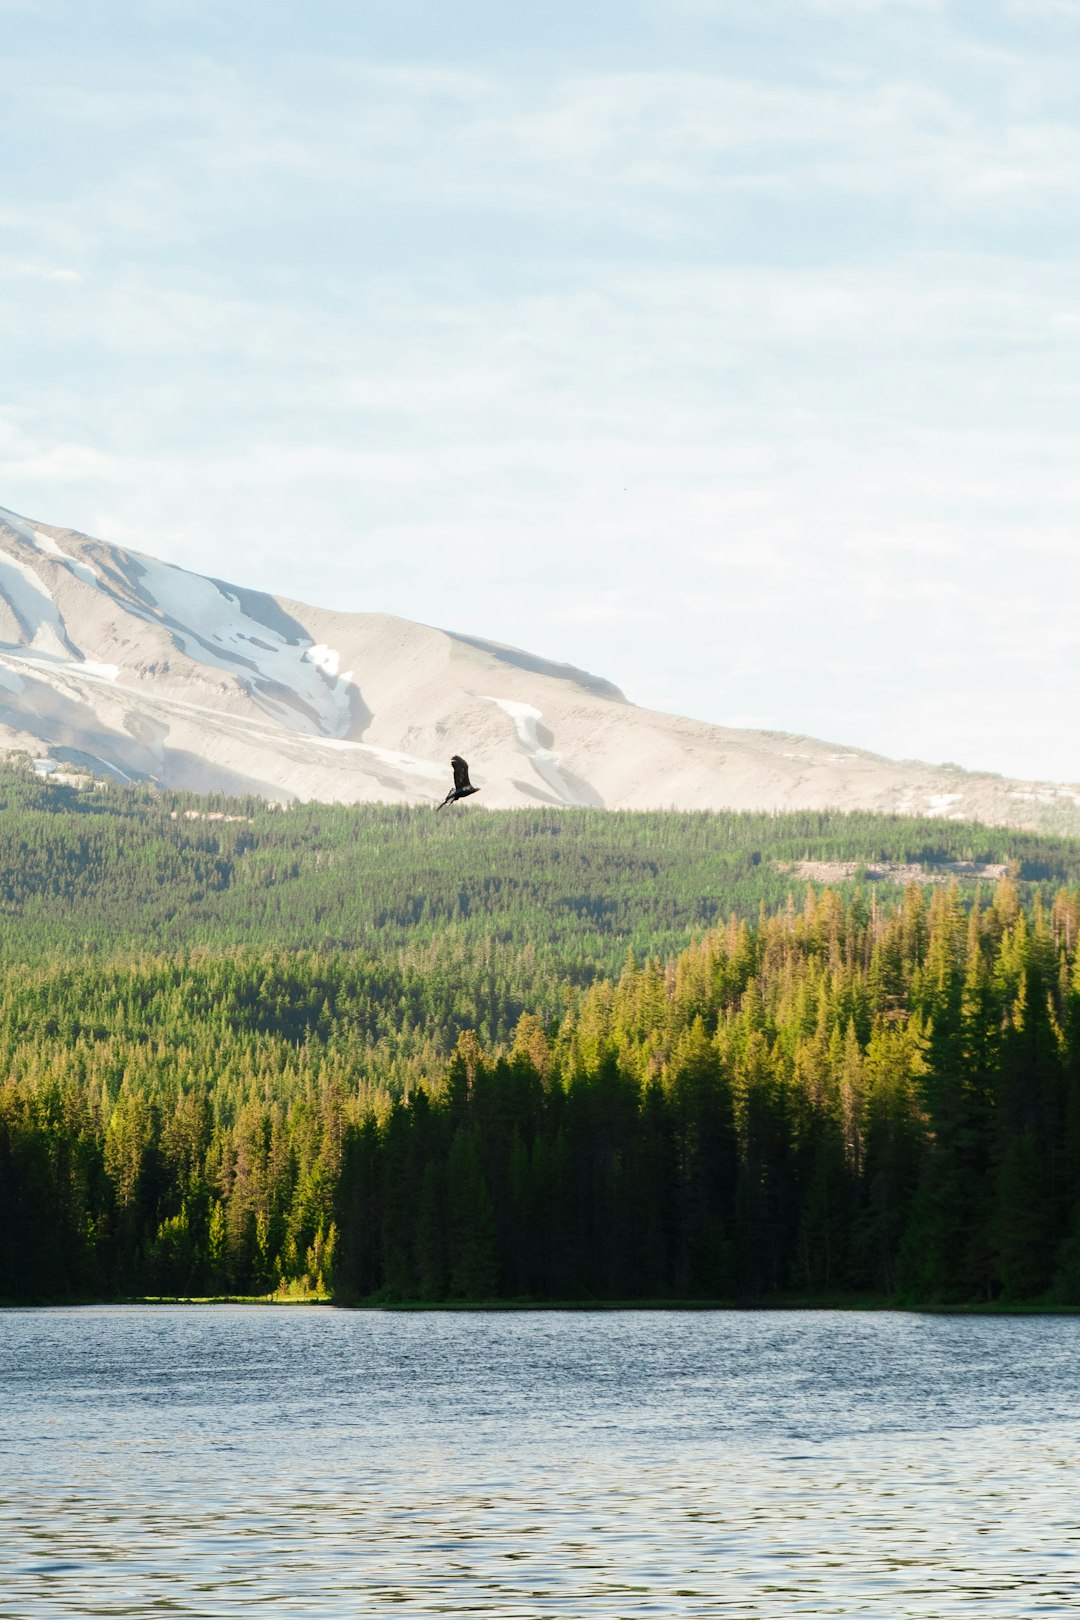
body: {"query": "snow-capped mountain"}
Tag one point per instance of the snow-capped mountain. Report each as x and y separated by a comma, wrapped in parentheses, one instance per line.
(140, 670)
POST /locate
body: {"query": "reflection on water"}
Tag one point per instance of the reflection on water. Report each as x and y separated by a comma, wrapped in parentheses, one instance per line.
(220, 1460)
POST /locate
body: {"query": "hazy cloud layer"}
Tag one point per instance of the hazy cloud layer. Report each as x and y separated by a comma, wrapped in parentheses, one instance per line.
(735, 360)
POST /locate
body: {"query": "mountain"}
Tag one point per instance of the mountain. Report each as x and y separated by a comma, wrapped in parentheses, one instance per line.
(132, 668)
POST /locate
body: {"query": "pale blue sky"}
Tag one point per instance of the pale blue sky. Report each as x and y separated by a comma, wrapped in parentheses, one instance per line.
(730, 351)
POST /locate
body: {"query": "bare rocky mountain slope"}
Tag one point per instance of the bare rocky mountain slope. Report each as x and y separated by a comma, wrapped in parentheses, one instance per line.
(140, 670)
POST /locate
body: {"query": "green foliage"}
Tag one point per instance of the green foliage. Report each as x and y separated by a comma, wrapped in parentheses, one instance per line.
(539, 1054)
(102, 869)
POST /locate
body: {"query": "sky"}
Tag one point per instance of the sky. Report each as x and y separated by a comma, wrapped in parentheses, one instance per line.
(731, 352)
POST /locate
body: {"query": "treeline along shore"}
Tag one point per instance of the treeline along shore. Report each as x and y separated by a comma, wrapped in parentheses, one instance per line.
(856, 1092)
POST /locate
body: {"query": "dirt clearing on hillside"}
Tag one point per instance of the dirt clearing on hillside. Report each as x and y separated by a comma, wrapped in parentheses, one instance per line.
(893, 871)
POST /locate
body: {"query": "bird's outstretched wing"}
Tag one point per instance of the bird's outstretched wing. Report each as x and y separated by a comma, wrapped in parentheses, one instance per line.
(461, 774)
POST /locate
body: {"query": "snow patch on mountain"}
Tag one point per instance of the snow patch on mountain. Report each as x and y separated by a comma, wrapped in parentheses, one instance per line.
(544, 761)
(45, 542)
(212, 628)
(19, 524)
(389, 756)
(34, 607)
(51, 548)
(324, 658)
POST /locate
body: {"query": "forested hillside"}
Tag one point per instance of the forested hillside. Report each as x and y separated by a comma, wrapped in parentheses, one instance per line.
(401, 1056)
(107, 868)
(838, 1101)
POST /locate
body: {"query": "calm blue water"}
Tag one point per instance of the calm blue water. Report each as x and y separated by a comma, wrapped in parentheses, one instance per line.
(307, 1462)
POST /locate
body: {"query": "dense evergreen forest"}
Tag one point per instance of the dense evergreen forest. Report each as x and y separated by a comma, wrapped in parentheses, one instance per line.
(106, 868)
(531, 1055)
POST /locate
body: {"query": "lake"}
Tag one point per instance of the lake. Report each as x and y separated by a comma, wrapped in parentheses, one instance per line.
(229, 1460)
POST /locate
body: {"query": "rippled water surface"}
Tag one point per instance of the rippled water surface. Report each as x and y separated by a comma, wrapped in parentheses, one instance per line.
(223, 1460)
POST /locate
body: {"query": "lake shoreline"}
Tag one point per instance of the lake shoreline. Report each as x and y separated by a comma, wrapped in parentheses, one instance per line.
(785, 1303)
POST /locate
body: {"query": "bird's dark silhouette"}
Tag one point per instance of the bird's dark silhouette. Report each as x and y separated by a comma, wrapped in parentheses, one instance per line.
(462, 786)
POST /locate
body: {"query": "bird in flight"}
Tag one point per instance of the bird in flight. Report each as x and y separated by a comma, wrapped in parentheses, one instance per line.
(462, 786)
